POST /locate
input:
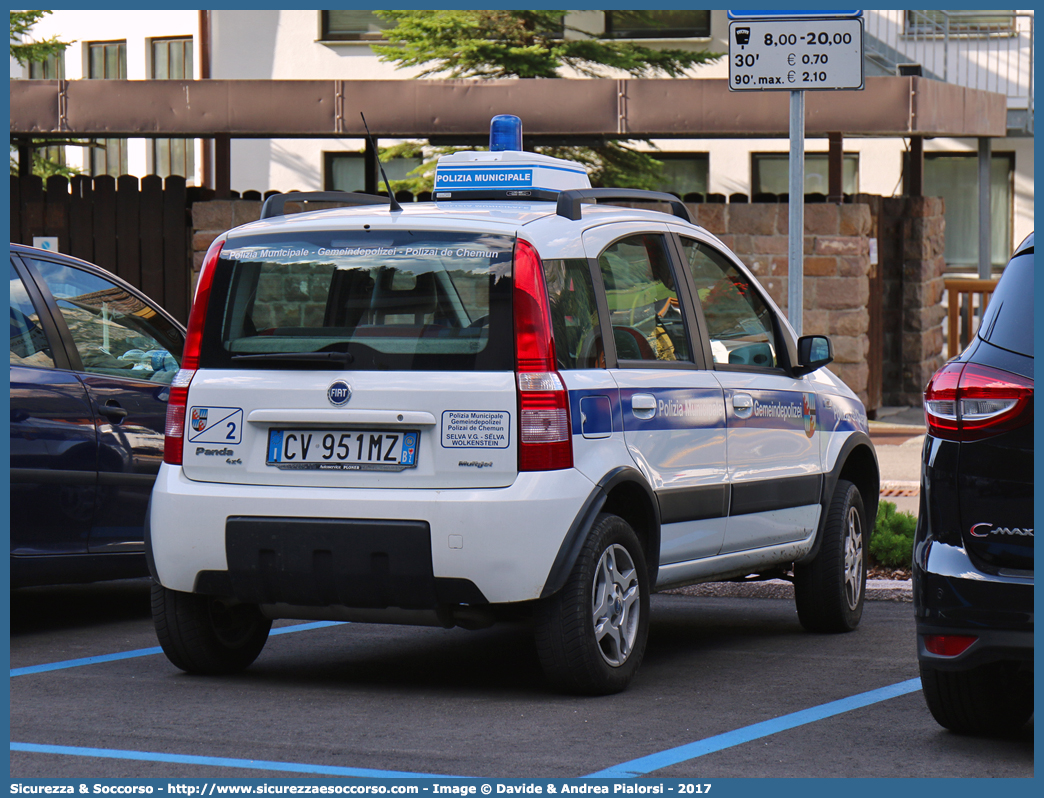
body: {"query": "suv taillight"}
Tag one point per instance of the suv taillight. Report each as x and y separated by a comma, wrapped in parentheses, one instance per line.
(174, 428)
(544, 434)
(969, 402)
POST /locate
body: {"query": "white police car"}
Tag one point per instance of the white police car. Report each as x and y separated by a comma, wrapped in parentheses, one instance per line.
(510, 400)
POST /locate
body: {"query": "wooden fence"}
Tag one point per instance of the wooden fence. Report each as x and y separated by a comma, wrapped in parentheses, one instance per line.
(138, 230)
(963, 312)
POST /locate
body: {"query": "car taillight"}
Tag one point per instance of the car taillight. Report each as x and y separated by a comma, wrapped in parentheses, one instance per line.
(544, 434)
(969, 402)
(948, 645)
(174, 429)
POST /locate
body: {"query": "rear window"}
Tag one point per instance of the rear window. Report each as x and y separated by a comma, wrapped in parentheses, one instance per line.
(1008, 322)
(381, 300)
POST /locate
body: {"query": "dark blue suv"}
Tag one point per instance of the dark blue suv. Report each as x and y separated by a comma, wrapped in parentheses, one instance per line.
(973, 552)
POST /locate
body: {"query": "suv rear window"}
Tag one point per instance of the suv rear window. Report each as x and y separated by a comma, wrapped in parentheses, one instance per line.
(392, 300)
(1008, 322)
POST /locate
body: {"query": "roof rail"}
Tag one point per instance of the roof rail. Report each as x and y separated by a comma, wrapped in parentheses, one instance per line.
(569, 201)
(274, 204)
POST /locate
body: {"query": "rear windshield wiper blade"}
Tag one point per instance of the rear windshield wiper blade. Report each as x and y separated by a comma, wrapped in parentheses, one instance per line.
(345, 358)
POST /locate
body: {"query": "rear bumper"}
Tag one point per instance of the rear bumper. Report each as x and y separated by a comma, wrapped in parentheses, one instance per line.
(953, 595)
(502, 540)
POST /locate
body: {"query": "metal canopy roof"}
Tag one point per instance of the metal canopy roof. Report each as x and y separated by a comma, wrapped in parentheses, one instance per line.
(560, 109)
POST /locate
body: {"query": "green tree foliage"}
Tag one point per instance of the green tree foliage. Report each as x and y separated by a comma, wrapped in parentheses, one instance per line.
(500, 43)
(27, 51)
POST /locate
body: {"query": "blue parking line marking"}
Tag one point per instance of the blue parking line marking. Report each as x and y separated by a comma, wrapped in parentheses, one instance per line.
(147, 652)
(76, 663)
(673, 756)
(224, 762)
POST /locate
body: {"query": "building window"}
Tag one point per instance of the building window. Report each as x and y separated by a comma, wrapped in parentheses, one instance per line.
(346, 171)
(684, 172)
(955, 178)
(51, 69)
(351, 25)
(108, 61)
(770, 173)
(965, 23)
(172, 60)
(657, 24)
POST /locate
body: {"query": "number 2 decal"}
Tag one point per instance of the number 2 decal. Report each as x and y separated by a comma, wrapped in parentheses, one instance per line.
(215, 425)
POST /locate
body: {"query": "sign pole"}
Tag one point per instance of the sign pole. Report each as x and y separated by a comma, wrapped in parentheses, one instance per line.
(796, 245)
(795, 51)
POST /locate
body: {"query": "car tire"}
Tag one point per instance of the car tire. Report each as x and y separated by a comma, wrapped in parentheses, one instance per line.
(205, 634)
(591, 634)
(992, 699)
(830, 590)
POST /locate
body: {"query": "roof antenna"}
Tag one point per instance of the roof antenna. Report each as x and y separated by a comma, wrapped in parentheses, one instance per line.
(394, 204)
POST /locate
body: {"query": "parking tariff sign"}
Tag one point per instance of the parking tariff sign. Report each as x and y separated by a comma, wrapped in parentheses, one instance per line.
(796, 55)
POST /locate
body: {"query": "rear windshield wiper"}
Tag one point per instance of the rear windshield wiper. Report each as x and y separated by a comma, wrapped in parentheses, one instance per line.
(344, 358)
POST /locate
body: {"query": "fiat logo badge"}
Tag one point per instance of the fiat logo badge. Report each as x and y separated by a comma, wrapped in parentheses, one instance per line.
(339, 393)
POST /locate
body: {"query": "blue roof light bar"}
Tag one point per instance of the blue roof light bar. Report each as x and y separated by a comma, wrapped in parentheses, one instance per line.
(505, 133)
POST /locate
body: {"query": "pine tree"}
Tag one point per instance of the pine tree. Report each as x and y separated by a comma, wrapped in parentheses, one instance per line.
(27, 51)
(499, 43)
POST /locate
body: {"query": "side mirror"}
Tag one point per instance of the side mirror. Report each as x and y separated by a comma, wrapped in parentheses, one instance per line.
(814, 352)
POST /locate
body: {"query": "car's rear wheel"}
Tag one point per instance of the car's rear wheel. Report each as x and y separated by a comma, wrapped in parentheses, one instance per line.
(991, 699)
(205, 634)
(591, 634)
(831, 589)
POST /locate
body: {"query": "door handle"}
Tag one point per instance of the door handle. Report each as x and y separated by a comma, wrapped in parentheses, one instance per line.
(743, 404)
(113, 411)
(643, 405)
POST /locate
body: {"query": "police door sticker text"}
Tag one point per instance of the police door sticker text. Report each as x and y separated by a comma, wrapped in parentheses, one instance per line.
(476, 429)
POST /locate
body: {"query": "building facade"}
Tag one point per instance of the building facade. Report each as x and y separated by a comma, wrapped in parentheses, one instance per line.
(989, 51)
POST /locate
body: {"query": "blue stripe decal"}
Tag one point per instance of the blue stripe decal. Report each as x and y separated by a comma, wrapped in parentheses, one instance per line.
(224, 762)
(676, 408)
(148, 652)
(578, 406)
(841, 414)
(775, 410)
(705, 408)
(674, 756)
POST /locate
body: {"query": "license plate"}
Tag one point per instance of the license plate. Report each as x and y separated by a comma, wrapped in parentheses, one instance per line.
(342, 450)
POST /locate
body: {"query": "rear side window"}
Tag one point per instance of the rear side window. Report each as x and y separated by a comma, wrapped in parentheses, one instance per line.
(574, 314)
(1008, 322)
(380, 300)
(643, 301)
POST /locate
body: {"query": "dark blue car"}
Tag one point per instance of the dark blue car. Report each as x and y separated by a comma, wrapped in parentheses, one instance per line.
(91, 363)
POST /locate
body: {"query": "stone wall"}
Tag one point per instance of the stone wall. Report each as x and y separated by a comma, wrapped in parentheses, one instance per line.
(212, 218)
(913, 265)
(836, 268)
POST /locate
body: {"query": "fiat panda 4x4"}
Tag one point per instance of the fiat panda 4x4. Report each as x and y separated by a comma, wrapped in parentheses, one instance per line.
(508, 401)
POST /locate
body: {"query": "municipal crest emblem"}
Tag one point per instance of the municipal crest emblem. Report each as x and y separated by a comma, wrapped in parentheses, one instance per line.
(808, 412)
(199, 418)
